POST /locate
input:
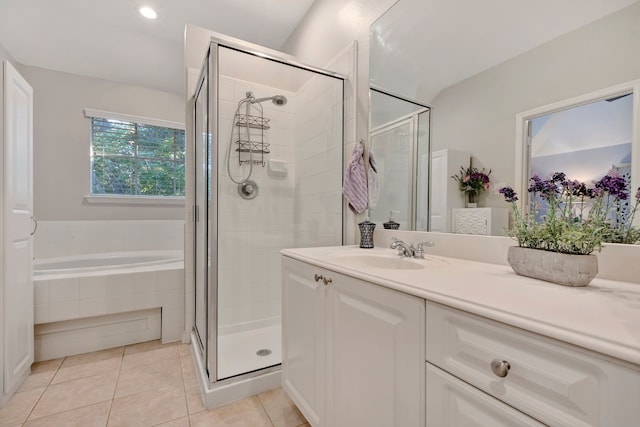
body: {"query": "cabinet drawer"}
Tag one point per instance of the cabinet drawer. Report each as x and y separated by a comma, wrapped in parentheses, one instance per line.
(451, 402)
(555, 383)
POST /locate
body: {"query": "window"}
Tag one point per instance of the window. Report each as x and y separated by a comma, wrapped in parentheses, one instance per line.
(130, 157)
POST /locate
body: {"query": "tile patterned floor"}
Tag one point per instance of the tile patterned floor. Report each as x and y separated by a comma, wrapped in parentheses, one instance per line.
(147, 384)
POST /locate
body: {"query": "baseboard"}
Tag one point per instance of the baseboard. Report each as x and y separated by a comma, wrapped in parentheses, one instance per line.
(70, 337)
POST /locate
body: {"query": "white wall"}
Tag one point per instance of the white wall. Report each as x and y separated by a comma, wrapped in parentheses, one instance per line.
(478, 114)
(324, 38)
(62, 141)
(330, 26)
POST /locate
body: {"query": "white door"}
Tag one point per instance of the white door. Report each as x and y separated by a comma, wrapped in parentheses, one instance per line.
(18, 225)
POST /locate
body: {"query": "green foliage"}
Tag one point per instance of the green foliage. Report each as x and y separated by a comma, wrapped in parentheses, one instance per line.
(136, 159)
(557, 233)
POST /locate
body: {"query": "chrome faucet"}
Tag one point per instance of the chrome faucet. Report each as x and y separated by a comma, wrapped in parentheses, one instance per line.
(404, 249)
(408, 249)
(419, 251)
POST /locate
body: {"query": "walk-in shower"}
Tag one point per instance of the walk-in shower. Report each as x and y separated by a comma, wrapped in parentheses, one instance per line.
(260, 121)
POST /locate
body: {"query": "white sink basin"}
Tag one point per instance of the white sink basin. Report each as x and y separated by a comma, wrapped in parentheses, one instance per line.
(389, 262)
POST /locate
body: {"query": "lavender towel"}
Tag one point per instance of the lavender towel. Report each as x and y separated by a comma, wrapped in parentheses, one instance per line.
(355, 182)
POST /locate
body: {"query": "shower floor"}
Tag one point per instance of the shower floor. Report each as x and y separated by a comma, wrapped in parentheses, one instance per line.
(237, 350)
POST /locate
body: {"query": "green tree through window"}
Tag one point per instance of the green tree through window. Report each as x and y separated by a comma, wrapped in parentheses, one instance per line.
(130, 158)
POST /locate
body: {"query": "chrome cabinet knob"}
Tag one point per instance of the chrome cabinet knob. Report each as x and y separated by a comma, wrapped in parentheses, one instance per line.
(318, 277)
(326, 280)
(500, 367)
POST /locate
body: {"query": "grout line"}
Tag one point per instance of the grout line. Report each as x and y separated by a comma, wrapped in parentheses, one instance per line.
(257, 396)
(44, 391)
(184, 389)
(115, 387)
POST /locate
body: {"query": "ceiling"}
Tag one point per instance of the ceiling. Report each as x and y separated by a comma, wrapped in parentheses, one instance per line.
(420, 47)
(109, 39)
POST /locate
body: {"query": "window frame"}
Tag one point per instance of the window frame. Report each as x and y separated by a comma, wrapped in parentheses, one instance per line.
(130, 199)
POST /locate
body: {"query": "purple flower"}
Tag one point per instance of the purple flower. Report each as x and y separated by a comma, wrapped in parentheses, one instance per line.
(546, 188)
(577, 188)
(510, 195)
(613, 184)
(638, 195)
(559, 177)
(537, 184)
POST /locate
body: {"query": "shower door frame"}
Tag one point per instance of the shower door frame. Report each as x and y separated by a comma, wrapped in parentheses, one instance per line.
(205, 214)
(210, 347)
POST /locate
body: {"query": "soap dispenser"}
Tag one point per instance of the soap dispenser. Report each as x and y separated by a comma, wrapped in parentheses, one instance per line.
(391, 224)
(366, 233)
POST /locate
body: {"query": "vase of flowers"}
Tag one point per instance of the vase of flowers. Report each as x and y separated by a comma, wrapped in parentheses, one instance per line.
(472, 182)
(567, 220)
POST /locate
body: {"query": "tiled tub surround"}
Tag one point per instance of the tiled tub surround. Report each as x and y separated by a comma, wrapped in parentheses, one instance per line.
(105, 297)
(96, 295)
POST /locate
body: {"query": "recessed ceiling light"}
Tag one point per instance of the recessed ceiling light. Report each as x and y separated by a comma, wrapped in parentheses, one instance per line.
(147, 12)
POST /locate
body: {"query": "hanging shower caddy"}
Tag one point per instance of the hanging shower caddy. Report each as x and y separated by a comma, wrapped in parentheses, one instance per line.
(253, 148)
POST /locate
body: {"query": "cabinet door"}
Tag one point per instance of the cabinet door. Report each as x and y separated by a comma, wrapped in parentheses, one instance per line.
(375, 355)
(451, 402)
(303, 324)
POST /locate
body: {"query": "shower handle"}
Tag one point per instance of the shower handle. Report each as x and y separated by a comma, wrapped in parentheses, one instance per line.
(317, 277)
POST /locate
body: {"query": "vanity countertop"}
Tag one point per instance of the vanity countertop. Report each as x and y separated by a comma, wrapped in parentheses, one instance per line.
(603, 317)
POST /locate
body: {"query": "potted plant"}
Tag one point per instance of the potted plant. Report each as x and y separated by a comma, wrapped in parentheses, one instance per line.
(566, 222)
(472, 182)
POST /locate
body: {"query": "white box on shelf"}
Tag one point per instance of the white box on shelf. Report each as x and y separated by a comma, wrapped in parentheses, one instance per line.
(487, 221)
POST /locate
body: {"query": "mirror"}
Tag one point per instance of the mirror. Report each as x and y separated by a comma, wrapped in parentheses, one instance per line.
(399, 144)
(479, 65)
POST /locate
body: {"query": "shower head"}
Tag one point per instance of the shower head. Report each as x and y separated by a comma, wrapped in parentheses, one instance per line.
(278, 100)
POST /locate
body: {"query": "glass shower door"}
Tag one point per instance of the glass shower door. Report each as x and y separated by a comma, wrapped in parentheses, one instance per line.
(281, 132)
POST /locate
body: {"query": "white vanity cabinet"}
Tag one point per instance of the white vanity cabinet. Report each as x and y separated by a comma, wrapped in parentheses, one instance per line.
(353, 352)
(552, 382)
(452, 402)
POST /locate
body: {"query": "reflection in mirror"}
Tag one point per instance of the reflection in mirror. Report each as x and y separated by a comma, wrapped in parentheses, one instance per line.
(496, 61)
(585, 141)
(585, 138)
(399, 141)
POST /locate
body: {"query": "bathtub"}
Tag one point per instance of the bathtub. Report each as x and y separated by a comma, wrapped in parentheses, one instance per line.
(86, 297)
(105, 263)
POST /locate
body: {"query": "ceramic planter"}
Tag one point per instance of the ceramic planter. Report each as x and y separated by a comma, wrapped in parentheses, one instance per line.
(554, 267)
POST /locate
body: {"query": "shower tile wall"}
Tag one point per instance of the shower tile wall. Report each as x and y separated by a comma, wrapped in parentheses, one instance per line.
(318, 154)
(62, 238)
(251, 232)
